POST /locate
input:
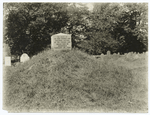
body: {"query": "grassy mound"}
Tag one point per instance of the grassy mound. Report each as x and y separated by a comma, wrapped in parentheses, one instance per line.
(73, 81)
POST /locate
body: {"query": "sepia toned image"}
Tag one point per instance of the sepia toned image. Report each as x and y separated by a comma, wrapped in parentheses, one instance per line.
(75, 57)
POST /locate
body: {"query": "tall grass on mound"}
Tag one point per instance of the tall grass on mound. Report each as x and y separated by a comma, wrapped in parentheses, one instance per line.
(68, 81)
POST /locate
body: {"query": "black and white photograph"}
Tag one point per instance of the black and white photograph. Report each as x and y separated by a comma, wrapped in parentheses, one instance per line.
(74, 57)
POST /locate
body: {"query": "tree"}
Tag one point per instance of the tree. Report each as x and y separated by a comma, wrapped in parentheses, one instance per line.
(99, 40)
(132, 27)
(77, 21)
(124, 23)
(118, 27)
(98, 43)
(29, 26)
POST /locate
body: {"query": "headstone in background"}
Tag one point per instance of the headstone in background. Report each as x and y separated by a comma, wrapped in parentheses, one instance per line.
(108, 52)
(6, 52)
(61, 42)
(135, 56)
(114, 54)
(7, 61)
(24, 57)
(118, 53)
(139, 54)
(128, 55)
(131, 53)
(102, 54)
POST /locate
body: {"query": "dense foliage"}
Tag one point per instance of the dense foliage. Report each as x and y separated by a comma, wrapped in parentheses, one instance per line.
(118, 27)
(29, 26)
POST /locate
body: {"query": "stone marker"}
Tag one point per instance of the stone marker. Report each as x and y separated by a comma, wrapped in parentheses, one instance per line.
(136, 56)
(61, 42)
(7, 61)
(102, 54)
(128, 55)
(24, 57)
(131, 52)
(108, 52)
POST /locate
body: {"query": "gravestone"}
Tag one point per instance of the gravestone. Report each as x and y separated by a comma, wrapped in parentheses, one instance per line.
(24, 57)
(108, 52)
(128, 55)
(102, 54)
(7, 61)
(136, 56)
(61, 42)
(131, 53)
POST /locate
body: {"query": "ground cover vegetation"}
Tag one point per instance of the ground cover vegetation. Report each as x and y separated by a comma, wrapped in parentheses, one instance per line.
(74, 81)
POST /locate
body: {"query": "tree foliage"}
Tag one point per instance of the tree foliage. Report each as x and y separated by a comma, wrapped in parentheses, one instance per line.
(126, 23)
(118, 27)
(29, 26)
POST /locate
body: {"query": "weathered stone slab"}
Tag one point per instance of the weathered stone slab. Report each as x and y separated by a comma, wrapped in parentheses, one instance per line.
(61, 42)
(136, 56)
(7, 61)
(102, 57)
(108, 53)
(102, 54)
(24, 57)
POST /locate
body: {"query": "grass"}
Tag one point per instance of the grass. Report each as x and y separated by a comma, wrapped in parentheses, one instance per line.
(73, 81)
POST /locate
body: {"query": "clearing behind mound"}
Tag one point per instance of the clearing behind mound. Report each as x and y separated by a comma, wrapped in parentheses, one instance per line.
(72, 81)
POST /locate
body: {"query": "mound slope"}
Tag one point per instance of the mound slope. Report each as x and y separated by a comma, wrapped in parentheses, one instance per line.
(72, 81)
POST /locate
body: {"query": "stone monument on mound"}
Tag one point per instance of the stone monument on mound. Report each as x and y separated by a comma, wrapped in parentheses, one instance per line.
(61, 42)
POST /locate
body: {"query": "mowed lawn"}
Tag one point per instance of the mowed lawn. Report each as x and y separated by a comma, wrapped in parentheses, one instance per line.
(72, 81)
